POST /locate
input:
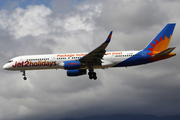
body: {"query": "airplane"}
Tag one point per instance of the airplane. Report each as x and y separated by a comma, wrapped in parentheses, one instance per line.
(77, 64)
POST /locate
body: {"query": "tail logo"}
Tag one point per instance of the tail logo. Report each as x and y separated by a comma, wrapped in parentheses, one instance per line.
(159, 46)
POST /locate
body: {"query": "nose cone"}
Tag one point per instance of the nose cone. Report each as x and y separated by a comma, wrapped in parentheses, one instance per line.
(5, 67)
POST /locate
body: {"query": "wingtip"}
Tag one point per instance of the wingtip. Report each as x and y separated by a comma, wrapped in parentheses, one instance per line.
(109, 37)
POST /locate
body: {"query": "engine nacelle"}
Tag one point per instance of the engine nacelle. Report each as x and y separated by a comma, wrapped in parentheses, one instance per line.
(71, 65)
(76, 72)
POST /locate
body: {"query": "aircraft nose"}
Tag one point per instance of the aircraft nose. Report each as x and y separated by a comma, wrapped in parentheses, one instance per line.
(5, 67)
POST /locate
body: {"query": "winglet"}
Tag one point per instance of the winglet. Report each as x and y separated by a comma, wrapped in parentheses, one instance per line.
(109, 37)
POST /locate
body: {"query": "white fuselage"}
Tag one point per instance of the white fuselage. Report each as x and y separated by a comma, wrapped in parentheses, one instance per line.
(56, 61)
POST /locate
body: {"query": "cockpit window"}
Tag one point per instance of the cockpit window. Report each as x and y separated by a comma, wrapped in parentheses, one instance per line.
(10, 61)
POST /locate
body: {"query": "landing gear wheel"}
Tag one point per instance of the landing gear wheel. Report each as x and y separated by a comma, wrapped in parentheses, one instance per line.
(95, 77)
(24, 75)
(25, 78)
(92, 75)
(89, 73)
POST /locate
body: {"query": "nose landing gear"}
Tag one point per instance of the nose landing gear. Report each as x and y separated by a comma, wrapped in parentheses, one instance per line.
(24, 74)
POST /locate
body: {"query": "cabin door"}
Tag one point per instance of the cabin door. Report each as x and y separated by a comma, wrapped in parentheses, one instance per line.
(143, 55)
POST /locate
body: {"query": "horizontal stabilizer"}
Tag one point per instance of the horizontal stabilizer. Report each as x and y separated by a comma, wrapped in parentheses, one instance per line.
(165, 52)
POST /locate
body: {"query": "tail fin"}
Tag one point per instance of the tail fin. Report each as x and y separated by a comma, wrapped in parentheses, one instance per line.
(161, 41)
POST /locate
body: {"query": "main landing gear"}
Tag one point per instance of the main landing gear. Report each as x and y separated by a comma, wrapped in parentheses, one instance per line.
(92, 75)
(24, 75)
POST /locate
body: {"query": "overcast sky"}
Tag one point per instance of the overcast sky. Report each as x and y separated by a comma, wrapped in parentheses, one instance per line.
(64, 26)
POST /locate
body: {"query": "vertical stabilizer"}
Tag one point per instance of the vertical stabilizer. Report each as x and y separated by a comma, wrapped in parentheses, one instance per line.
(161, 41)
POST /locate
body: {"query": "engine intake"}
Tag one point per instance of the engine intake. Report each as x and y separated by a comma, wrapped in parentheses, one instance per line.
(76, 72)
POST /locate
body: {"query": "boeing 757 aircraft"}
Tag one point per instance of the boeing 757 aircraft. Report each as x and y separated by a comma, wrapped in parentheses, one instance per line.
(77, 64)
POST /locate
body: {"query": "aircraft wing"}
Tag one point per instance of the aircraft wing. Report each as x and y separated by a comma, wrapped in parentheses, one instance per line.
(94, 57)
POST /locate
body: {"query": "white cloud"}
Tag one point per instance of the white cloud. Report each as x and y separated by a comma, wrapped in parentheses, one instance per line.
(23, 22)
(36, 20)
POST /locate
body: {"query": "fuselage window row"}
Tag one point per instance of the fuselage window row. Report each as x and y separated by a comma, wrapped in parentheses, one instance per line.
(61, 58)
(37, 59)
(126, 55)
(70, 58)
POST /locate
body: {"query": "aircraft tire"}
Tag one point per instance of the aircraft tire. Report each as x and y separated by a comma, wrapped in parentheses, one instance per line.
(89, 73)
(25, 78)
(93, 73)
(90, 77)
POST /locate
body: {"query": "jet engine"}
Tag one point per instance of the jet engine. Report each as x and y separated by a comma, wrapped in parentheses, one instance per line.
(76, 72)
(71, 65)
